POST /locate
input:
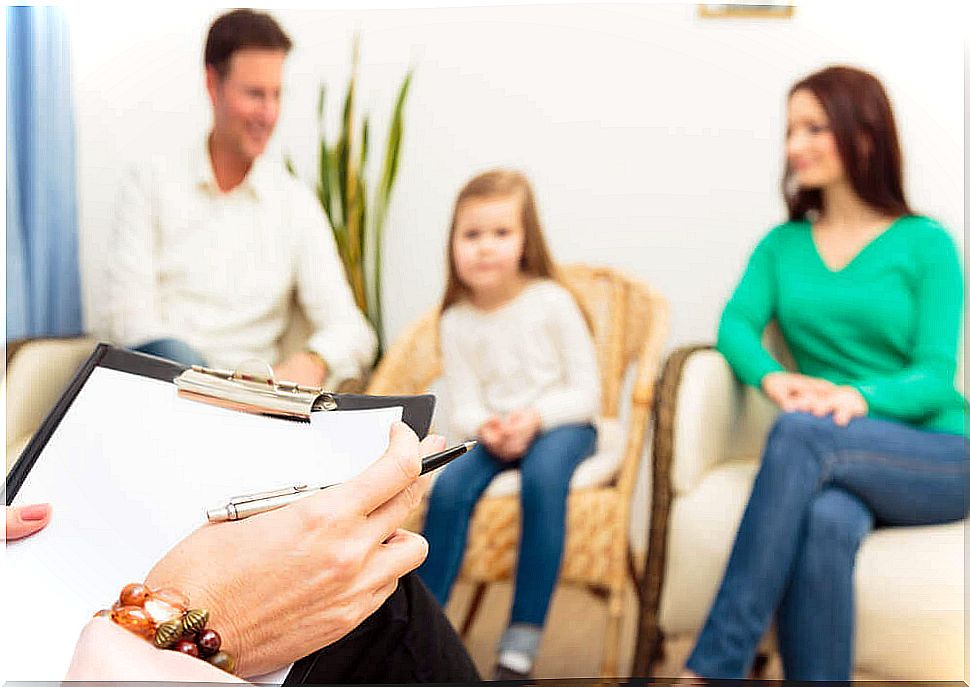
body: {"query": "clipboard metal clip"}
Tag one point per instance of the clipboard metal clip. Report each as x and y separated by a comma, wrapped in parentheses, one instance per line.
(252, 392)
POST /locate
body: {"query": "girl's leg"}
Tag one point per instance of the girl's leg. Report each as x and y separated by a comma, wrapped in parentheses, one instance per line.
(815, 619)
(904, 475)
(453, 497)
(546, 470)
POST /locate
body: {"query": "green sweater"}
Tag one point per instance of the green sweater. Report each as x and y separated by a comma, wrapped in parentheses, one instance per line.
(888, 323)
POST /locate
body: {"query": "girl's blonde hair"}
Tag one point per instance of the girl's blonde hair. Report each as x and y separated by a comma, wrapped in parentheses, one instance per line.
(535, 261)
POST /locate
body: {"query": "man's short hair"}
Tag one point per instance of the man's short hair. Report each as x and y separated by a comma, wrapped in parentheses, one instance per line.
(241, 29)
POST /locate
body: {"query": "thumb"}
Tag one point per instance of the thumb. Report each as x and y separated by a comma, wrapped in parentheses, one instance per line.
(23, 521)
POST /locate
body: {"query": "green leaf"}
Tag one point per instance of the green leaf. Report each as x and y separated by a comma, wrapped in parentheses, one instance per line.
(357, 218)
(395, 137)
(336, 199)
(364, 137)
(323, 183)
(288, 163)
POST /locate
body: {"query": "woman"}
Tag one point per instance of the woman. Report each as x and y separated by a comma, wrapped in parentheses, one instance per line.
(868, 296)
(321, 572)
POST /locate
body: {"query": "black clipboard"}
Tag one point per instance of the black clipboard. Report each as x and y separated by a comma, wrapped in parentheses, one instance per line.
(417, 413)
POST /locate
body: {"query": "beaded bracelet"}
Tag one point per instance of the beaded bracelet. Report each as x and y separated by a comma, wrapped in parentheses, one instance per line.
(163, 617)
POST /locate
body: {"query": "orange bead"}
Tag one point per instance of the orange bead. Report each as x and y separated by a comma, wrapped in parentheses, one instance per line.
(165, 604)
(170, 596)
(161, 612)
(132, 595)
(134, 619)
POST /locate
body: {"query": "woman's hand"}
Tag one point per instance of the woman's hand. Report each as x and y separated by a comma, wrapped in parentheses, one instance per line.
(283, 584)
(793, 392)
(23, 521)
(841, 402)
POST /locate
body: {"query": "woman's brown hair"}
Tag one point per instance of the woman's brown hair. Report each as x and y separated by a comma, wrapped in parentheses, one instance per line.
(861, 119)
(535, 261)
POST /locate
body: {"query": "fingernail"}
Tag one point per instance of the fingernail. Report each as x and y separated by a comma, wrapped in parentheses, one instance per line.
(35, 512)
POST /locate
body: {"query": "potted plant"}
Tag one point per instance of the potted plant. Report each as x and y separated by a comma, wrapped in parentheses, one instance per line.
(357, 213)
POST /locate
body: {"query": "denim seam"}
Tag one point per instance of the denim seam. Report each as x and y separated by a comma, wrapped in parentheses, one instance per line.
(863, 456)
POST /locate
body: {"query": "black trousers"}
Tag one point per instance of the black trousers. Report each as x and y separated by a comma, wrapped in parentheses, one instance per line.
(408, 639)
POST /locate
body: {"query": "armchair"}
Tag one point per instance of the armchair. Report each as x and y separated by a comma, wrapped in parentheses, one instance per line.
(708, 438)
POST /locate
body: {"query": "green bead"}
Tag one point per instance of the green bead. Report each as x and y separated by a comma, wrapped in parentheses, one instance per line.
(194, 621)
(223, 661)
(168, 633)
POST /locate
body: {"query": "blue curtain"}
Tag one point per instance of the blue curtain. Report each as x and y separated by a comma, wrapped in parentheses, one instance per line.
(43, 287)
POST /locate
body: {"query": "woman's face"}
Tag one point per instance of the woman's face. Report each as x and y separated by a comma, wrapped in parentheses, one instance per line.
(810, 144)
(488, 242)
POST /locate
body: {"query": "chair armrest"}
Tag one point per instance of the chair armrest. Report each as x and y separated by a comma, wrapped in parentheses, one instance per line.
(704, 401)
(37, 375)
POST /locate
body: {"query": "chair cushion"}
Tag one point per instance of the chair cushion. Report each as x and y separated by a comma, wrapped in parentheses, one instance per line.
(910, 602)
(909, 580)
(595, 471)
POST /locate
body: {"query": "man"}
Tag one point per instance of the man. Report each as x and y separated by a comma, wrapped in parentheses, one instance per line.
(210, 249)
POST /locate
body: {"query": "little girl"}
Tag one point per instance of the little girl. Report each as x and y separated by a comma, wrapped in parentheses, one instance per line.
(521, 376)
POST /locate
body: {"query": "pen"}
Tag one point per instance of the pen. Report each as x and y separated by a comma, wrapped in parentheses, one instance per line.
(240, 507)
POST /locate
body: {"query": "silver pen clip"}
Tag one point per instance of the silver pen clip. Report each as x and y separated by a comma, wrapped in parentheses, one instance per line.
(239, 507)
(258, 496)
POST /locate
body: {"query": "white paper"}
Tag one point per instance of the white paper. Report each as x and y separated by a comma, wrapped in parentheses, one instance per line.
(129, 472)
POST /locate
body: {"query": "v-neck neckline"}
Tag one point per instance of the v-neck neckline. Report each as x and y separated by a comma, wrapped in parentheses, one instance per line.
(855, 258)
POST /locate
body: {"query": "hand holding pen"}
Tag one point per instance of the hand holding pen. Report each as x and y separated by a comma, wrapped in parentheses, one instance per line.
(338, 554)
(239, 507)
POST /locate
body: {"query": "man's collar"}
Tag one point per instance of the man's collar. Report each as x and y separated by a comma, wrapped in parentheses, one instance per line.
(255, 182)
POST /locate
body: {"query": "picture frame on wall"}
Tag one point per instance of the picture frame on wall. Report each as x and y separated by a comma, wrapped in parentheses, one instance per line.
(746, 10)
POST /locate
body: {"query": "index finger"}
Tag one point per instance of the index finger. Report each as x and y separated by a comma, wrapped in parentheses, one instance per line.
(388, 476)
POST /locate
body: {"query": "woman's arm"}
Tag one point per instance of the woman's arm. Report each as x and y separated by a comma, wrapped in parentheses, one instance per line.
(106, 652)
(926, 384)
(747, 313)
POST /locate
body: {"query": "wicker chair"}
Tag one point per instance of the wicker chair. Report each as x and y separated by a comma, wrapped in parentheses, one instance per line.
(629, 325)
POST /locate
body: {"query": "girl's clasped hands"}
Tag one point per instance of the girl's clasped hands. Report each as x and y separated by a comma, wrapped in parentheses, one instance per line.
(508, 437)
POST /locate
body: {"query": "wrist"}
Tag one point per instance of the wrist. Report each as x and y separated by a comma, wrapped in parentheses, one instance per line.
(169, 619)
(317, 360)
(768, 377)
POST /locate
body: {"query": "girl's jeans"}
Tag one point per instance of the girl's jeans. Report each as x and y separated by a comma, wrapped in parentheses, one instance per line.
(546, 469)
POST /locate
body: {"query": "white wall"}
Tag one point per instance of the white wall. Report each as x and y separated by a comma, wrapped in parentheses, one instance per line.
(653, 137)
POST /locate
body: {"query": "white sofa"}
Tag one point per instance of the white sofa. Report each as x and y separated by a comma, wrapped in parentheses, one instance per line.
(37, 374)
(708, 438)
(40, 369)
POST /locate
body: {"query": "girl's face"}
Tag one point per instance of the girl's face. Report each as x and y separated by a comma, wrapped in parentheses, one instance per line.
(488, 242)
(812, 152)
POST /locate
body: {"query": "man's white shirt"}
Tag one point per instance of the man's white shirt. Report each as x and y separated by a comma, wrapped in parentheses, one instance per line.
(219, 270)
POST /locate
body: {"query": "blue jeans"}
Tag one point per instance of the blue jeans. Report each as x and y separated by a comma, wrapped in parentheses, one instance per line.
(546, 469)
(820, 489)
(172, 349)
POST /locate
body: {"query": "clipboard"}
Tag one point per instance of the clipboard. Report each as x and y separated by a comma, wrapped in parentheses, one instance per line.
(225, 393)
